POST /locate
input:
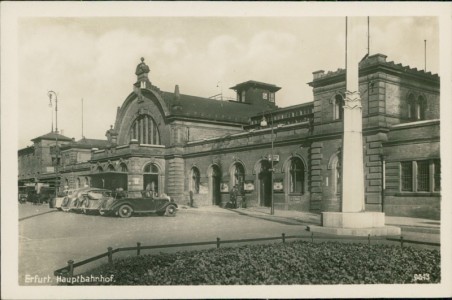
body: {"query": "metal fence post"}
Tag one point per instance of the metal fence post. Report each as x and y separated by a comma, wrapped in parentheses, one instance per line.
(312, 237)
(283, 237)
(110, 254)
(138, 248)
(218, 242)
(70, 266)
(401, 241)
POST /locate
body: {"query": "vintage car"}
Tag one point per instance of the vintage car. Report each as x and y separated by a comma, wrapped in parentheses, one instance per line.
(91, 201)
(58, 200)
(124, 206)
(73, 200)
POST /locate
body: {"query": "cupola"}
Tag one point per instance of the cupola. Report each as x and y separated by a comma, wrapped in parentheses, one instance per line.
(142, 72)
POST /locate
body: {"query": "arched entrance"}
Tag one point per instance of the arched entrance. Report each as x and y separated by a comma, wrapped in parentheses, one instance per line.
(265, 178)
(214, 183)
(151, 178)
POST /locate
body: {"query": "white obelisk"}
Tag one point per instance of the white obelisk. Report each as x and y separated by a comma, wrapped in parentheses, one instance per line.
(352, 142)
(352, 219)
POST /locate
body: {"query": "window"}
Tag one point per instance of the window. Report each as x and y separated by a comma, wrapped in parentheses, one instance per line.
(151, 168)
(338, 107)
(265, 95)
(145, 130)
(194, 180)
(420, 176)
(437, 174)
(123, 167)
(423, 176)
(272, 97)
(416, 108)
(296, 176)
(111, 168)
(407, 176)
(243, 97)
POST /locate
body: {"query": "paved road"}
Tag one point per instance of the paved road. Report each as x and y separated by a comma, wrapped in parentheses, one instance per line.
(49, 239)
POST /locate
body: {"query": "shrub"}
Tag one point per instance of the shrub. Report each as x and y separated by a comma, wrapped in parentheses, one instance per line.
(298, 262)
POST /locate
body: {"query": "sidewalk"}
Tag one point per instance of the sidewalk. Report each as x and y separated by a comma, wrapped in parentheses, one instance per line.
(415, 229)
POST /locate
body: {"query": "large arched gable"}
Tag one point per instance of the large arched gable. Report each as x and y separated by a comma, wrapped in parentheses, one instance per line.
(150, 103)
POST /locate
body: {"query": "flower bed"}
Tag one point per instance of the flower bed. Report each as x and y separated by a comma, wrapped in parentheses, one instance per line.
(298, 262)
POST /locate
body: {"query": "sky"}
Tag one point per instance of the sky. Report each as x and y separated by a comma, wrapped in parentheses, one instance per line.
(94, 59)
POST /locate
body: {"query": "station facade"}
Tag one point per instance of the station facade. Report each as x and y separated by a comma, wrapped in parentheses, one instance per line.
(188, 146)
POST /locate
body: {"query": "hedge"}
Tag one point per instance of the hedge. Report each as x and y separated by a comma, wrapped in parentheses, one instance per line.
(297, 262)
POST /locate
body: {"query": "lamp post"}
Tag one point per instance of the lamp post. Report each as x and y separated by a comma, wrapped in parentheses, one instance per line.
(265, 124)
(51, 95)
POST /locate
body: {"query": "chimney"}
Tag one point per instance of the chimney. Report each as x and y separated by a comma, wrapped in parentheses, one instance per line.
(318, 74)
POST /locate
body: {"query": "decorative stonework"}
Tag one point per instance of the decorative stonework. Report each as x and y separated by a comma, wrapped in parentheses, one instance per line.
(352, 100)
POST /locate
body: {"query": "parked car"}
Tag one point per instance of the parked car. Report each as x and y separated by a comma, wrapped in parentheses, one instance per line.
(58, 200)
(91, 200)
(125, 206)
(70, 202)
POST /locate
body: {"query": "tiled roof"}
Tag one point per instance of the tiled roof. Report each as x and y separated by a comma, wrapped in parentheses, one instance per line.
(271, 87)
(85, 143)
(210, 109)
(51, 136)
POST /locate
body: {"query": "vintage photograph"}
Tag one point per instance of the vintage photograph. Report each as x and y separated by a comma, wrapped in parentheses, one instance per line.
(267, 149)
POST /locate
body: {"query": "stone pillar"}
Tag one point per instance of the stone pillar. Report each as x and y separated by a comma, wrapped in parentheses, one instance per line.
(353, 220)
(352, 148)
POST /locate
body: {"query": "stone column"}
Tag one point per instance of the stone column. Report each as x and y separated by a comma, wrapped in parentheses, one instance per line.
(353, 220)
(352, 148)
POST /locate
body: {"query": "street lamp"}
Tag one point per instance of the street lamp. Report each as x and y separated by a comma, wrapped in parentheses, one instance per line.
(265, 124)
(52, 95)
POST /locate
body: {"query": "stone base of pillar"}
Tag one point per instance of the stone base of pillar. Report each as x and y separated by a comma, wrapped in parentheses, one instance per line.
(355, 224)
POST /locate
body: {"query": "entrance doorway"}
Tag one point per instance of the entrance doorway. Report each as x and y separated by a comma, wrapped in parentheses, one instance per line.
(215, 180)
(265, 184)
(151, 178)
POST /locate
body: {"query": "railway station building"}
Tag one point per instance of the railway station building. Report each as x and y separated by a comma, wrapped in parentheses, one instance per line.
(189, 146)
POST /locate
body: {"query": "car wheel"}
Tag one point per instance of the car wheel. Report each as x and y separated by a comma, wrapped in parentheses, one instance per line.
(125, 211)
(170, 211)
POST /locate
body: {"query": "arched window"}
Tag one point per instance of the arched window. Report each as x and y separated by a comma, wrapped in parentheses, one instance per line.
(194, 180)
(100, 169)
(238, 176)
(151, 168)
(338, 107)
(111, 168)
(123, 167)
(86, 181)
(420, 108)
(145, 130)
(416, 108)
(296, 176)
(66, 183)
(411, 107)
(78, 183)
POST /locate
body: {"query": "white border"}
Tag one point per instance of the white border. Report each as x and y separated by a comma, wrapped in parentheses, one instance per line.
(12, 11)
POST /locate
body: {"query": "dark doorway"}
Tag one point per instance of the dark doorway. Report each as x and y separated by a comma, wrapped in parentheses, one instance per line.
(265, 186)
(215, 184)
(153, 181)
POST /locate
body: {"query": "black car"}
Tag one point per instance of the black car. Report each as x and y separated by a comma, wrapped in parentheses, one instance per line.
(124, 206)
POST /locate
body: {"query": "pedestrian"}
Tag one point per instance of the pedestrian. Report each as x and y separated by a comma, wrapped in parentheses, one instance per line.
(233, 196)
